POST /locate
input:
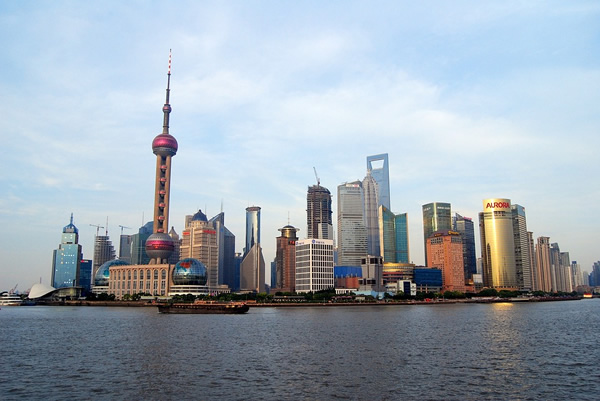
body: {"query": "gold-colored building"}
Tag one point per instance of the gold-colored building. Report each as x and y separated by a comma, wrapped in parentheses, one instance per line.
(497, 244)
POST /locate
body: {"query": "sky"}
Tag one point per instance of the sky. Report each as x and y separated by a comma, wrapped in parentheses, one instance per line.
(470, 100)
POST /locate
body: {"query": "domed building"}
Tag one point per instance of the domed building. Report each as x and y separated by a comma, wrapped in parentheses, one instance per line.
(102, 277)
(189, 276)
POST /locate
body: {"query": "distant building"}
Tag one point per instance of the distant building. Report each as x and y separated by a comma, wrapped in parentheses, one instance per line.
(445, 252)
(372, 274)
(252, 268)
(428, 280)
(521, 239)
(85, 274)
(66, 259)
(543, 277)
(371, 218)
(378, 168)
(436, 217)
(285, 259)
(125, 248)
(175, 256)
(199, 241)
(138, 245)
(226, 245)
(314, 265)
(466, 228)
(393, 236)
(103, 251)
(252, 271)
(252, 228)
(352, 233)
(319, 213)
(498, 245)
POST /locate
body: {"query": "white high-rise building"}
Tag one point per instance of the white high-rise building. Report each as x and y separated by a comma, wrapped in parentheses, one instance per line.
(352, 232)
(314, 265)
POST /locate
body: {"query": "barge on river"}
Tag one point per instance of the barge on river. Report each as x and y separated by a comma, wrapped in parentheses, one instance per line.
(205, 307)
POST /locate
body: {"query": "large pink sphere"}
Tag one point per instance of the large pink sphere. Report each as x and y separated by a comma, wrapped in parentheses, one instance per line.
(159, 246)
(164, 145)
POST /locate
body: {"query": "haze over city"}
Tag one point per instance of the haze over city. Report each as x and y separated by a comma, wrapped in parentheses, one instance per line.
(469, 101)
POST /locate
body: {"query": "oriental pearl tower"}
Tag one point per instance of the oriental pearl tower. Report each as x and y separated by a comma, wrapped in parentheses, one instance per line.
(159, 245)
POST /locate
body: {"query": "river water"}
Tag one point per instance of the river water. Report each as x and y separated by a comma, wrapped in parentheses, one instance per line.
(537, 351)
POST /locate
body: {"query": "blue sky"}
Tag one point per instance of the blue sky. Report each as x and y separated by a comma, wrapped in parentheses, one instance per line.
(471, 100)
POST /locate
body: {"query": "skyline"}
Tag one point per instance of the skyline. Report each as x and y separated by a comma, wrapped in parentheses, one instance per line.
(469, 101)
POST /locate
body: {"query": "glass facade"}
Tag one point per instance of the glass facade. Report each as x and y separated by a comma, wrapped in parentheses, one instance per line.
(436, 217)
(466, 228)
(522, 258)
(252, 228)
(393, 234)
(318, 213)
(377, 166)
(497, 244)
(67, 258)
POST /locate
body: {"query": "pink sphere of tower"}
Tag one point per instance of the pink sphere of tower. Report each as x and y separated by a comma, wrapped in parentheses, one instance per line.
(164, 145)
(159, 246)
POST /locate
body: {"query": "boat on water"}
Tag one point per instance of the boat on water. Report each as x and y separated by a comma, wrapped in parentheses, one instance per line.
(10, 299)
(587, 295)
(204, 307)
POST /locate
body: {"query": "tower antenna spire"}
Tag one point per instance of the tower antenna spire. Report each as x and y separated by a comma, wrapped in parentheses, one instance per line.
(167, 106)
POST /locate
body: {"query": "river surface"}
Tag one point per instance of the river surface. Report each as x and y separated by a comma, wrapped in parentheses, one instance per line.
(533, 351)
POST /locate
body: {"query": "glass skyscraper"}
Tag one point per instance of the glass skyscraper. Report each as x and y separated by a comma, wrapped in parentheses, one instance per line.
(498, 244)
(436, 217)
(466, 228)
(522, 257)
(393, 234)
(377, 166)
(66, 259)
(252, 227)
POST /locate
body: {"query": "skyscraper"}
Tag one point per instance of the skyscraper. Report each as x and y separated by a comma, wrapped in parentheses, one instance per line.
(465, 226)
(542, 261)
(393, 236)
(371, 206)
(226, 245)
(436, 217)
(66, 259)
(498, 244)
(252, 228)
(159, 245)
(125, 248)
(377, 167)
(252, 269)
(200, 242)
(285, 259)
(318, 213)
(522, 258)
(103, 251)
(445, 252)
(352, 233)
(138, 244)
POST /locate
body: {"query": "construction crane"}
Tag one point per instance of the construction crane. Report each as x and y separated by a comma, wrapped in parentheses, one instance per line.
(98, 227)
(317, 177)
(14, 289)
(122, 227)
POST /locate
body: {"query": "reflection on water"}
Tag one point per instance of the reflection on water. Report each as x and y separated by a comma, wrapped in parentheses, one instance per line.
(498, 351)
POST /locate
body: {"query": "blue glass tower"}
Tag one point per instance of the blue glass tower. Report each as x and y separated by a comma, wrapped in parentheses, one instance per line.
(67, 258)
